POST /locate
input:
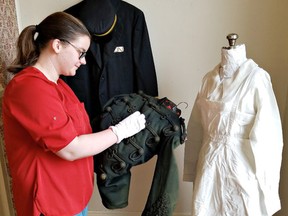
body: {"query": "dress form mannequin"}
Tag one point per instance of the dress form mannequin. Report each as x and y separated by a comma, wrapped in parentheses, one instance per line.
(232, 157)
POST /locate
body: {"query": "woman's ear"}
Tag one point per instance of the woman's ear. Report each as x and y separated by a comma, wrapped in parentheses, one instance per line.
(56, 45)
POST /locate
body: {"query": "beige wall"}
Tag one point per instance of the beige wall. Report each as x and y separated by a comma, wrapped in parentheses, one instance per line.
(186, 37)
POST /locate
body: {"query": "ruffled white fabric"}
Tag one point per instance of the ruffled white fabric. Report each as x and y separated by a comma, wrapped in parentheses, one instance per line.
(231, 59)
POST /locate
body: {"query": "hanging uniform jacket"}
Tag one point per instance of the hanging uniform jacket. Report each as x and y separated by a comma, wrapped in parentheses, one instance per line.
(164, 131)
(234, 147)
(119, 63)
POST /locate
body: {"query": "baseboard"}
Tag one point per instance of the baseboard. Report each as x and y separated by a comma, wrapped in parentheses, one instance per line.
(119, 213)
(105, 213)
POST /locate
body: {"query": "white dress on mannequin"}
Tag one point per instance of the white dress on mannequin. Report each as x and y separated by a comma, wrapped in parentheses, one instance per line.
(234, 147)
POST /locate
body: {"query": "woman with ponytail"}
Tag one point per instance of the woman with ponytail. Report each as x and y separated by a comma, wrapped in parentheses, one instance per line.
(47, 133)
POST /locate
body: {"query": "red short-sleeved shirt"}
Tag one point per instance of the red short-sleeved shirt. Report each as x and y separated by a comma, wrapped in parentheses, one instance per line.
(40, 118)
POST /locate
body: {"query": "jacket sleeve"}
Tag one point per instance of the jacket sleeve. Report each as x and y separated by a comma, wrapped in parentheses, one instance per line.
(267, 142)
(193, 144)
(143, 58)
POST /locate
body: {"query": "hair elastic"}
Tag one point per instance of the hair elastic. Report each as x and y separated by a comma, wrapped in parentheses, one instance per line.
(36, 32)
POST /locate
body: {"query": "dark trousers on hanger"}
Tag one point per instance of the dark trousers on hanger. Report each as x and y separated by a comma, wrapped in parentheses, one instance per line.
(164, 131)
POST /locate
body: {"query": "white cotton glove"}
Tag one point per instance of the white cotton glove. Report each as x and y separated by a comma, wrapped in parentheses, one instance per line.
(129, 126)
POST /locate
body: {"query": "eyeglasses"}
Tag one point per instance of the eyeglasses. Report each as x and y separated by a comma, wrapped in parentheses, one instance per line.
(82, 54)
